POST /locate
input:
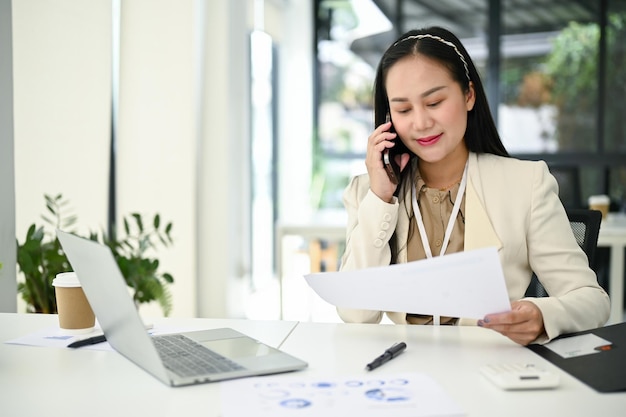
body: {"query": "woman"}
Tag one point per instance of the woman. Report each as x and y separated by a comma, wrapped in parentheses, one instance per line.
(458, 190)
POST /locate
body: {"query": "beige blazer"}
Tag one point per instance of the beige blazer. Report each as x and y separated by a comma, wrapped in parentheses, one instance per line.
(510, 204)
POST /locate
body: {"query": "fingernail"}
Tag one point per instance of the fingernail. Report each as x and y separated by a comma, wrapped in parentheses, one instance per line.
(481, 323)
(486, 319)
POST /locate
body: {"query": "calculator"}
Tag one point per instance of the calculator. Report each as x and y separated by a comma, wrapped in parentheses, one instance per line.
(519, 376)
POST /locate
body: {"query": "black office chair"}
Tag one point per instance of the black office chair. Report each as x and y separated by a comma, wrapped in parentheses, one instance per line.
(586, 227)
(568, 178)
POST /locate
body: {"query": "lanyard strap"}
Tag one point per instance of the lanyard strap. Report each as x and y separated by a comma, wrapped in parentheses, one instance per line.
(455, 211)
(422, 229)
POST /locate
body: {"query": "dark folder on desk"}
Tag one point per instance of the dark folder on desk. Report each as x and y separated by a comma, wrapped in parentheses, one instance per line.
(604, 371)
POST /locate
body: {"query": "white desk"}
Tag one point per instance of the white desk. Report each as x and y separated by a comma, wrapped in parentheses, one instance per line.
(40, 381)
(36, 381)
(613, 235)
(452, 356)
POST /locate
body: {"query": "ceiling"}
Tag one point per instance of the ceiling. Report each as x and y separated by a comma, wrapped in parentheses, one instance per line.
(469, 19)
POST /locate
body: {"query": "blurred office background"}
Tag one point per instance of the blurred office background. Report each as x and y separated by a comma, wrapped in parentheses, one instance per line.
(237, 118)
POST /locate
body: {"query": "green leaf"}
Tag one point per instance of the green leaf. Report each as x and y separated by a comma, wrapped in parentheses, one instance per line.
(139, 221)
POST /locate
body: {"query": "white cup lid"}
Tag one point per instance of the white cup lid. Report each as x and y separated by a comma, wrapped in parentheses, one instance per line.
(599, 199)
(66, 279)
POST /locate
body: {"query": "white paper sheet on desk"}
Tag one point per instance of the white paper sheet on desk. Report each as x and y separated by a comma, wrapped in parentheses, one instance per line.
(465, 284)
(398, 395)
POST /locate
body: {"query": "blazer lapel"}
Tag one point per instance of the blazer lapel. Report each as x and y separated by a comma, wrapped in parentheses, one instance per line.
(479, 232)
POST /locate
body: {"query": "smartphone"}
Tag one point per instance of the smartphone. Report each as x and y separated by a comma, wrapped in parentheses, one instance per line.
(389, 157)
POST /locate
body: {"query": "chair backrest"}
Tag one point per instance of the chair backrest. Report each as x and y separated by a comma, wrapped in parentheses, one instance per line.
(568, 178)
(586, 227)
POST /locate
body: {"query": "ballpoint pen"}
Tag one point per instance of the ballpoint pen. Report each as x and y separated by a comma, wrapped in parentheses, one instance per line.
(91, 340)
(388, 355)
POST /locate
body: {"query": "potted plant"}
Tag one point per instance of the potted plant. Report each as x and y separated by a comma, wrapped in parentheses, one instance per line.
(40, 257)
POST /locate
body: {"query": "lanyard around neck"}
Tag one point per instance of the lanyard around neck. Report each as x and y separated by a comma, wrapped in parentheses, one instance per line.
(455, 211)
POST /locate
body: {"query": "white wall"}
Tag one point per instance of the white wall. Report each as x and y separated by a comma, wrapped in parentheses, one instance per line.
(8, 300)
(183, 126)
(62, 99)
(295, 111)
(61, 103)
(224, 162)
(156, 155)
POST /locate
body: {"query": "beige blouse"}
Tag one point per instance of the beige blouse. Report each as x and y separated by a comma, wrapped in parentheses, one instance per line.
(436, 207)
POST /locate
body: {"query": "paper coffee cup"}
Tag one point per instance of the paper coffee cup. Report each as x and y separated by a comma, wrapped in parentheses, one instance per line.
(601, 203)
(75, 313)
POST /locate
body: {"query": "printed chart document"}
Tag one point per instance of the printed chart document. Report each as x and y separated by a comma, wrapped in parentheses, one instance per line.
(401, 395)
(465, 284)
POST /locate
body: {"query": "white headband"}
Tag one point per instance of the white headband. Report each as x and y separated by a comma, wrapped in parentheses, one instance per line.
(437, 38)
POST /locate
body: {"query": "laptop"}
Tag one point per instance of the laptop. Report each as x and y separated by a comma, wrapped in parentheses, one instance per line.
(228, 353)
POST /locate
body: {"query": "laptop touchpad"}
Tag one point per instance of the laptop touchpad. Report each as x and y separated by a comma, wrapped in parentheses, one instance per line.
(239, 347)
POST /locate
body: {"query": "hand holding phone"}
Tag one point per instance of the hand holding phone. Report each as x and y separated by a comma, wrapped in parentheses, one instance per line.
(392, 168)
(389, 157)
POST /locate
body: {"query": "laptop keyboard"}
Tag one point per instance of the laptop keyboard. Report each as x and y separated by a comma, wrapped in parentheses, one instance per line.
(187, 357)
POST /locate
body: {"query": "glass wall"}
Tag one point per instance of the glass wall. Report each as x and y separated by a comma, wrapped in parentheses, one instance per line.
(615, 86)
(344, 111)
(553, 71)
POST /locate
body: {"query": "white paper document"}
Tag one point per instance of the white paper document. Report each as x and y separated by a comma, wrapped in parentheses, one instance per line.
(54, 337)
(402, 395)
(465, 284)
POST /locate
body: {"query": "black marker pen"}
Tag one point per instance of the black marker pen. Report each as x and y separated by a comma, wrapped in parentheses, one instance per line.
(389, 354)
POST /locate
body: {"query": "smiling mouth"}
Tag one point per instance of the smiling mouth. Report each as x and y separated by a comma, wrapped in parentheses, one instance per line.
(429, 140)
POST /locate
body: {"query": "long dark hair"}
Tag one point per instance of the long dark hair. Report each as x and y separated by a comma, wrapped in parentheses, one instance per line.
(441, 45)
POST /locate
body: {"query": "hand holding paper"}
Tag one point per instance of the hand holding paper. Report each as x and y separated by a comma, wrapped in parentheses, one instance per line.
(465, 284)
